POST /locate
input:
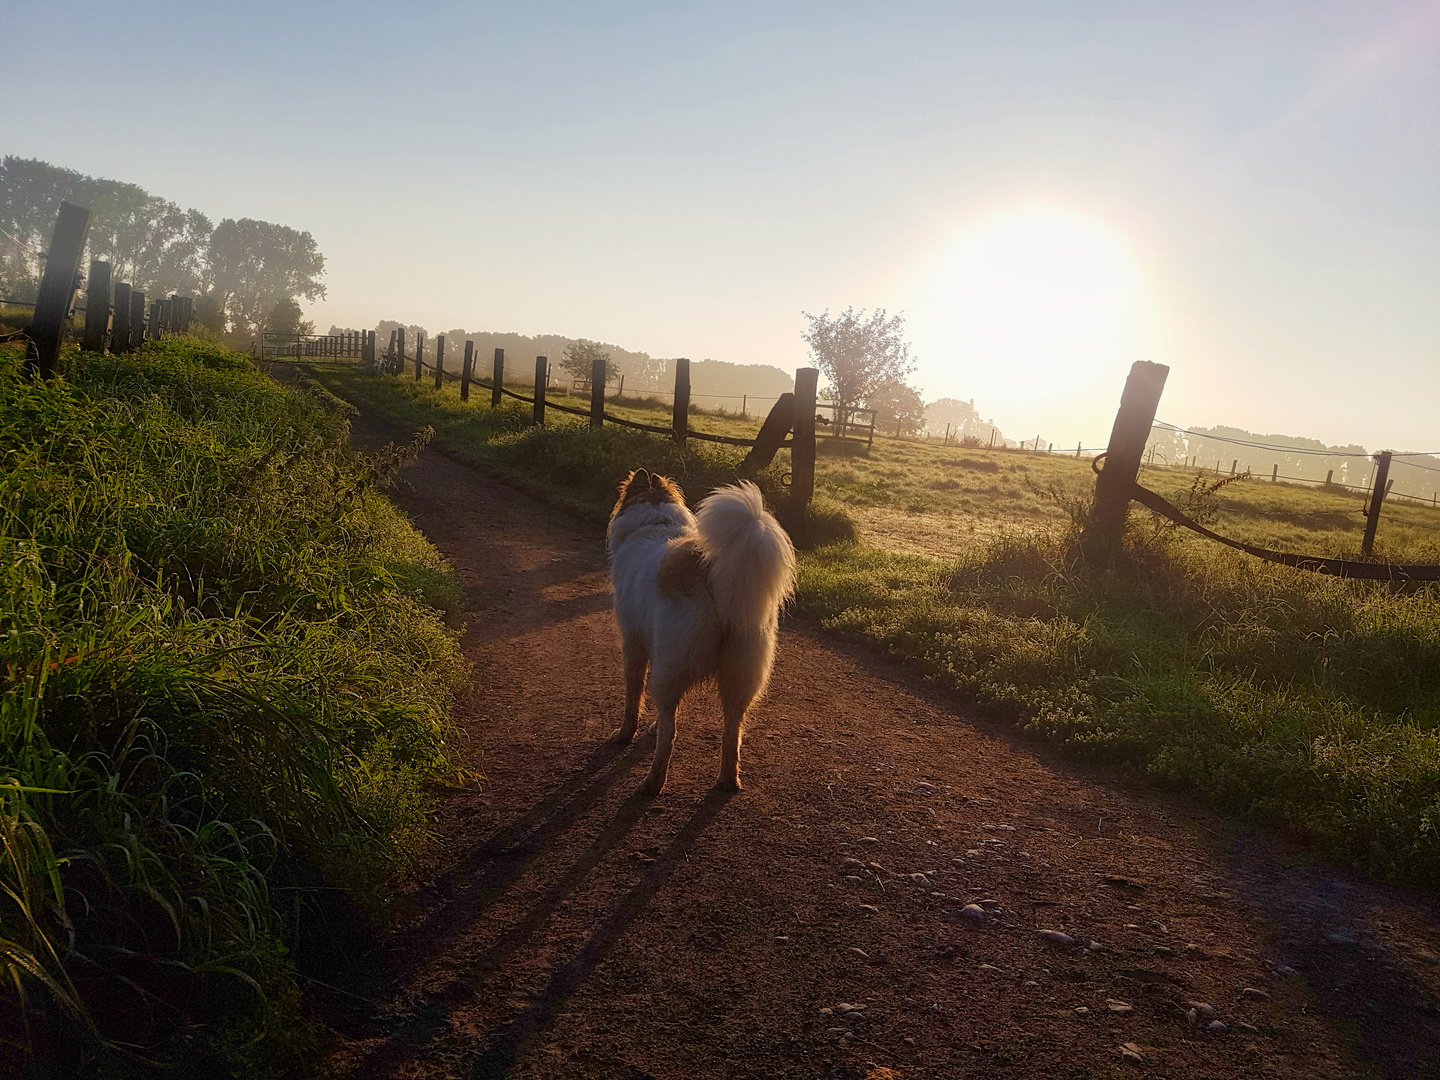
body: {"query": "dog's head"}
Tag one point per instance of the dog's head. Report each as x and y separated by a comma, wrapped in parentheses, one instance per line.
(646, 487)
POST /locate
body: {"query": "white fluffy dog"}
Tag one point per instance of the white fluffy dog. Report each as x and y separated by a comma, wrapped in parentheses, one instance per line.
(697, 597)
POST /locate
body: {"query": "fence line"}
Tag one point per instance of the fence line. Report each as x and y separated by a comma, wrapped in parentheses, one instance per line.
(1116, 485)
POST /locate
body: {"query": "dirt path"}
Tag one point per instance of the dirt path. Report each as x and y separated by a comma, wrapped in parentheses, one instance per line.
(582, 931)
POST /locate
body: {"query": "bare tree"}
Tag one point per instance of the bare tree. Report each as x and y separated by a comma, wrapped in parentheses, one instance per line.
(858, 355)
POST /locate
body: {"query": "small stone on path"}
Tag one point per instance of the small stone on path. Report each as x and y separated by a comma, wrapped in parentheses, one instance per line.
(871, 908)
(860, 952)
(869, 839)
(1055, 937)
(975, 912)
(1217, 1027)
(1131, 1051)
(1257, 995)
(1123, 1008)
(1082, 1011)
(852, 879)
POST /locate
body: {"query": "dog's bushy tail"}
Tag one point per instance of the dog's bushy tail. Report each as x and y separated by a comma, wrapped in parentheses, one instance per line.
(749, 560)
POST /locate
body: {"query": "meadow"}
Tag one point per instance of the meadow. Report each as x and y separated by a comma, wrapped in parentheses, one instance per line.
(1287, 698)
(224, 697)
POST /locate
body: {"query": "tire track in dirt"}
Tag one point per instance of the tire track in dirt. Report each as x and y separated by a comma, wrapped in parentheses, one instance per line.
(583, 931)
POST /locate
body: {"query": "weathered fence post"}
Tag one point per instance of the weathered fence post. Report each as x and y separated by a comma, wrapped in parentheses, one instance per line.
(802, 453)
(1116, 481)
(1377, 496)
(466, 366)
(97, 306)
(542, 376)
(57, 289)
(419, 353)
(1274, 474)
(680, 417)
(497, 380)
(137, 318)
(153, 330)
(120, 331)
(772, 433)
(597, 392)
(439, 360)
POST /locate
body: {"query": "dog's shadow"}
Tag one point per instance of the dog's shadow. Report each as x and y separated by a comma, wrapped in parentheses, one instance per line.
(483, 877)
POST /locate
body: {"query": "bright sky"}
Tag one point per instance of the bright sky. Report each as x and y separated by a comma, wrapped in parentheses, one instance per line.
(1246, 191)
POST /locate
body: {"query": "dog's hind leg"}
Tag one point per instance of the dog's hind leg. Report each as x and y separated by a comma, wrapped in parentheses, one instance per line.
(636, 663)
(744, 670)
(664, 742)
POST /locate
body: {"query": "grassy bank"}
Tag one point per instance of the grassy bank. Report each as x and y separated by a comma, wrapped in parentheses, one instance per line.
(1285, 697)
(226, 676)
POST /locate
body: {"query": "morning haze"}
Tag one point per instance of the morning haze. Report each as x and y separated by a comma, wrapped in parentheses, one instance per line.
(687, 182)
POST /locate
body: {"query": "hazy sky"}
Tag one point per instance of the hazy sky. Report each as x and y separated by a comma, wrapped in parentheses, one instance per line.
(1248, 192)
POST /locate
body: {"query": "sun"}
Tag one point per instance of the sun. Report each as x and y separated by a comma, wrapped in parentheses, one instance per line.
(1027, 305)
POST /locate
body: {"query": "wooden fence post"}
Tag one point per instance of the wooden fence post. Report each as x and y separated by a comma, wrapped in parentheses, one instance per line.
(1274, 474)
(466, 368)
(1233, 466)
(597, 391)
(802, 453)
(419, 353)
(120, 331)
(153, 330)
(57, 289)
(680, 416)
(97, 306)
(137, 318)
(400, 344)
(498, 379)
(439, 360)
(1114, 485)
(1377, 496)
(772, 433)
(1329, 476)
(542, 376)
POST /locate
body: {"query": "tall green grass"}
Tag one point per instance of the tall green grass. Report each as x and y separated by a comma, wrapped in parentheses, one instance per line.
(224, 681)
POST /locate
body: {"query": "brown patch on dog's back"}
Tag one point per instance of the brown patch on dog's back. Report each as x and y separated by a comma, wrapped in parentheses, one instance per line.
(682, 571)
(642, 486)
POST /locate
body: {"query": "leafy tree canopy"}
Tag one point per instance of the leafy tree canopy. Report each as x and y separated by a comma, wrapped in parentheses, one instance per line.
(858, 355)
(579, 359)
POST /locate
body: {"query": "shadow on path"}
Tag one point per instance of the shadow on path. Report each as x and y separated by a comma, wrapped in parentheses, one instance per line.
(507, 1044)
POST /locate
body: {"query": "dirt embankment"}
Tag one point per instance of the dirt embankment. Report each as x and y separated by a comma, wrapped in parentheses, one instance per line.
(872, 900)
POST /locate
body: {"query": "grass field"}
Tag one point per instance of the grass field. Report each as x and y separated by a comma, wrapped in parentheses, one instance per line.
(225, 680)
(1307, 702)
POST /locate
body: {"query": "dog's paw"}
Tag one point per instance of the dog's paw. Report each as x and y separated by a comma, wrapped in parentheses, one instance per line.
(623, 737)
(729, 783)
(652, 786)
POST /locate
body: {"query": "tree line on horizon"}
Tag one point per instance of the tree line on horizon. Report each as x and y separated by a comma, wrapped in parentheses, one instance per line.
(245, 275)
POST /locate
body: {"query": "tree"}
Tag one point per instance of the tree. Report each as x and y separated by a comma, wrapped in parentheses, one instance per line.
(858, 355)
(149, 242)
(287, 318)
(579, 360)
(253, 264)
(895, 402)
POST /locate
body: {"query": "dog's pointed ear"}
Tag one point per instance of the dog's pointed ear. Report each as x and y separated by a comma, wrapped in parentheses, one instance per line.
(637, 479)
(656, 480)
